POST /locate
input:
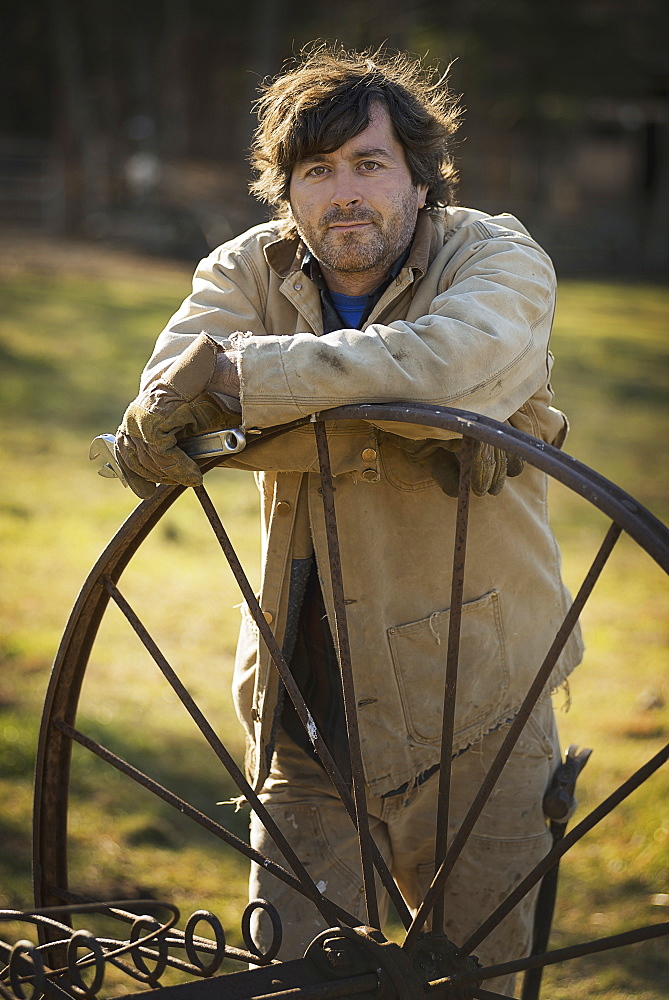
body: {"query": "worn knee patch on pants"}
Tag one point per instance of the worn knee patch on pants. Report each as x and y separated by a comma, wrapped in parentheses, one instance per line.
(508, 840)
(326, 842)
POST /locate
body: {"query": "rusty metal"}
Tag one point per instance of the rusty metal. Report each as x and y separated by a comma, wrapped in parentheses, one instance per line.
(569, 839)
(636, 936)
(513, 734)
(342, 952)
(296, 697)
(299, 978)
(325, 908)
(147, 940)
(26, 962)
(451, 676)
(340, 962)
(348, 687)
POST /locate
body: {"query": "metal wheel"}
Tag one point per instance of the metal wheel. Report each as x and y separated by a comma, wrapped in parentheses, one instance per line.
(352, 960)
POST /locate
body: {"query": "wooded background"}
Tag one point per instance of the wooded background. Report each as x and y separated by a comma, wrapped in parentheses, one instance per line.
(130, 121)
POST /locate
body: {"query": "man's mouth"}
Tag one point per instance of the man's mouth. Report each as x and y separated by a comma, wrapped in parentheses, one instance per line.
(335, 218)
(352, 224)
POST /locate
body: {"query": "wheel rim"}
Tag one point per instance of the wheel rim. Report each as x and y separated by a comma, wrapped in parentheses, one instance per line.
(59, 731)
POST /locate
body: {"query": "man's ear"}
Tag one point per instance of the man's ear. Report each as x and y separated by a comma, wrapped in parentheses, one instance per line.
(422, 190)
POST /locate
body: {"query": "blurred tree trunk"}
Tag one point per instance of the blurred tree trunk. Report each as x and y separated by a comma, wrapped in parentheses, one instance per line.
(75, 143)
(174, 91)
(654, 195)
(267, 37)
(266, 27)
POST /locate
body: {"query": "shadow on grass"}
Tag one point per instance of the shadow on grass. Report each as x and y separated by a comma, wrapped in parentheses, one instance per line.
(15, 864)
(185, 766)
(597, 908)
(639, 970)
(124, 842)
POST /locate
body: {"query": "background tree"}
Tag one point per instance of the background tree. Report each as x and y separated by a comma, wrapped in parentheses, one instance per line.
(137, 116)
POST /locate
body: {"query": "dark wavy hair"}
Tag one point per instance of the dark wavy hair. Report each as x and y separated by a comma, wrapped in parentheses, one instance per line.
(322, 101)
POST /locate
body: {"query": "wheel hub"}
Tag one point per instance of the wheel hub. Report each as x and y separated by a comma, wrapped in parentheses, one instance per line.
(342, 952)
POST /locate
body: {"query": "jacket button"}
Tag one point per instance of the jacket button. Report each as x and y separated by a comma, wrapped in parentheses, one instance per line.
(268, 616)
(368, 455)
(297, 286)
(369, 475)
(282, 508)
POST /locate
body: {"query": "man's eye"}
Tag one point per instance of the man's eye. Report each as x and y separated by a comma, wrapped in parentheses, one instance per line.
(317, 171)
(369, 165)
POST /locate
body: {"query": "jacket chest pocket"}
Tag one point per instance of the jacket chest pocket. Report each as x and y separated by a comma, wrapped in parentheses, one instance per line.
(419, 652)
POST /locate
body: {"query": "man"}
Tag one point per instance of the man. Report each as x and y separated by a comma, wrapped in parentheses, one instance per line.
(371, 287)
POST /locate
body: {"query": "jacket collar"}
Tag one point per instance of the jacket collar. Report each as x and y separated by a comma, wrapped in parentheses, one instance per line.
(286, 255)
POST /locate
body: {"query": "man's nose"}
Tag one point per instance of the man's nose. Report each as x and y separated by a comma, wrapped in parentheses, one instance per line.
(346, 193)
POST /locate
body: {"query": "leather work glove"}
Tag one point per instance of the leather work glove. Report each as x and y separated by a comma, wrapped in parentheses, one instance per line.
(490, 466)
(195, 395)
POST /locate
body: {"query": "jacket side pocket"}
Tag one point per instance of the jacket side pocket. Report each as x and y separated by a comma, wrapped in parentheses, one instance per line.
(419, 658)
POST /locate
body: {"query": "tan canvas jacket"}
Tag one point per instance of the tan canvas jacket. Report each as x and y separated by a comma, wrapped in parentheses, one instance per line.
(466, 323)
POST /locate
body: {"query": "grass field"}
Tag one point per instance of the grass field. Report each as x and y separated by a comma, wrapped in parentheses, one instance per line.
(76, 325)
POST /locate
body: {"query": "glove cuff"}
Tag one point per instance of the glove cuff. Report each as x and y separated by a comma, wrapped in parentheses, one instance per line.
(190, 374)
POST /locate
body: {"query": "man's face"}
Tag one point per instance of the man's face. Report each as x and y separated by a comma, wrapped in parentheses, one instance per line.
(356, 208)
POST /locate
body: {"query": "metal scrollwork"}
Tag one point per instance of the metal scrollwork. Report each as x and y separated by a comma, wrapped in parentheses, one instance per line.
(277, 930)
(19, 955)
(84, 939)
(190, 943)
(150, 943)
(151, 976)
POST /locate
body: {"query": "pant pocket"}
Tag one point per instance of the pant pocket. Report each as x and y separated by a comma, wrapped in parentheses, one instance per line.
(419, 658)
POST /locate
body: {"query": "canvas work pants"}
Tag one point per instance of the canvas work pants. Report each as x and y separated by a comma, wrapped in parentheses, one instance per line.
(509, 838)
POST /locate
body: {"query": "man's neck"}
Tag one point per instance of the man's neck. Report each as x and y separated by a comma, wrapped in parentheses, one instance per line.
(354, 283)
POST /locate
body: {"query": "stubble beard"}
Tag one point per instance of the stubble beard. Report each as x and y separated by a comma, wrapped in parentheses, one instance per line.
(352, 252)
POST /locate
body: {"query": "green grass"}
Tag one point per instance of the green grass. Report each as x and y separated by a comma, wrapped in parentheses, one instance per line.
(75, 329)
(611, 375)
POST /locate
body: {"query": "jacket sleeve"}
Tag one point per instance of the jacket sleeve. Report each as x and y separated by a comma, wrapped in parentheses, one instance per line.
(475, 337)
(228, 297)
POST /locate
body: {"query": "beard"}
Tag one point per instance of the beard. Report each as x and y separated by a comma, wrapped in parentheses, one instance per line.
(375, 247)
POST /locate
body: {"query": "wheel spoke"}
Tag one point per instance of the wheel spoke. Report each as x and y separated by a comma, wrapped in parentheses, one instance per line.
(310, 890)
(582, 950)
(489, 995)
(514, 732)
(451, 679)
(568, 841)
(296, 697)
(348, 685)
(198, 817)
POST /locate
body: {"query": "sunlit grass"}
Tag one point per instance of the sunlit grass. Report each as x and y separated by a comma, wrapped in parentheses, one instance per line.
(72, 345)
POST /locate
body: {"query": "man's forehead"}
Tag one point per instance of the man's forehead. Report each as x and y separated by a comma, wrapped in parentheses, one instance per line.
(352, 151)
(377, 139)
